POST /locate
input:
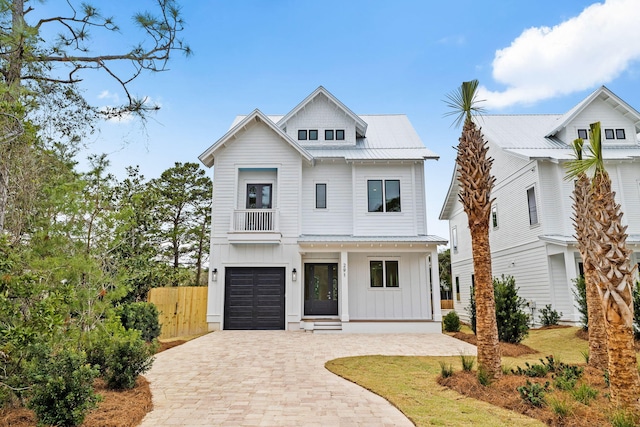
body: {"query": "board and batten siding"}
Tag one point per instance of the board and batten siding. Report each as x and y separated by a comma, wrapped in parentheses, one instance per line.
(337, 218)
(386, 223)
(257, 147)
(410, 301)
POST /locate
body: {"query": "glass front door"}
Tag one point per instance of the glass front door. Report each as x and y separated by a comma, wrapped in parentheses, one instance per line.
(321, 289)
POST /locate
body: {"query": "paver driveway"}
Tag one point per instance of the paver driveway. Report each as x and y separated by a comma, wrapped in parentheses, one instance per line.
(277, 378)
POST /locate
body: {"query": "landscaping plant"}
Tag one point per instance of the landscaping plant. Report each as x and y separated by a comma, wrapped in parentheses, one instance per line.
(549, 316)
(142, 316)
(451, 322)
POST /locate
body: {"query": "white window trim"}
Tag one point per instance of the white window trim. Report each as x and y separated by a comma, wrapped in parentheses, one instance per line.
(326, 196)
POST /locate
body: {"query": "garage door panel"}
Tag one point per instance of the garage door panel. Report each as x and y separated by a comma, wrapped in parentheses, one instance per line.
(254, 298)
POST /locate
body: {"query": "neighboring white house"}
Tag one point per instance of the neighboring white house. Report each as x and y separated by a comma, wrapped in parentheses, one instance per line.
(319, 222)
(531, 230)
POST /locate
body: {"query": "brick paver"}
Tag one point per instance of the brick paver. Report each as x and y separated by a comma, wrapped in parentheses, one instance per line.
(278, 378)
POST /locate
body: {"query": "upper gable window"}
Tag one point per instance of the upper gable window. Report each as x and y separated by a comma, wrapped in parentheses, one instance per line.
(340, 134)
(620, 134)
(328, 135)
(302, 135)
(582, 133)
(608, 134)
(313, 134)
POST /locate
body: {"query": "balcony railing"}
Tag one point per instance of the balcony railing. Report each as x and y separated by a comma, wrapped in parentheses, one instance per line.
(254, 220)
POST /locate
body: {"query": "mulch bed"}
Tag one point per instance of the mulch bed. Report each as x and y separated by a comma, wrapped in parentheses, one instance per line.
(117, 409)
(125, 408)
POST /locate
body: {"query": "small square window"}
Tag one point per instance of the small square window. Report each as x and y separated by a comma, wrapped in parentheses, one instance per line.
(328, 135)
(582, 133)
(620, 134)
(340, 134)
(302, 135)
(608, 134)
(313, 135)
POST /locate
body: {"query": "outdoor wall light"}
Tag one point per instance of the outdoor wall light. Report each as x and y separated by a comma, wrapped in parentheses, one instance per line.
(294, 275)
(214, 275)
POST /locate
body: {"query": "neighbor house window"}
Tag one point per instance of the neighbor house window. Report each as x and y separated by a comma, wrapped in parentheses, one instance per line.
(620, 134)
(494, 216)
(313, 135)
(302, 135)
(384, 274)
(340, 134)
(454, 239)
(533, 207)
(328, 135)
(582, 133)
(383, 195)
(608, 134)
(321, 196)
(457, 288)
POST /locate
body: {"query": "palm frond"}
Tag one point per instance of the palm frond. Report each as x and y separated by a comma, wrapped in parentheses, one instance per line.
(463, 102)
(595, 148)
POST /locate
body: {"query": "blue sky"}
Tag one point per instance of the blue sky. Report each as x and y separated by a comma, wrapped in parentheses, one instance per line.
(400, 56)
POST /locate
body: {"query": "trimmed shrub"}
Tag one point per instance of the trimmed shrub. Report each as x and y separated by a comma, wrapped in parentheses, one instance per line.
(63, 390)
(549, 316)
(580, 295)
(127, 356)
(142, 316)
(513, 321)
(511, 317)
(451, 322)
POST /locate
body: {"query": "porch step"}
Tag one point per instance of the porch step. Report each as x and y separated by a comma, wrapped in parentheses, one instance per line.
(327, 325)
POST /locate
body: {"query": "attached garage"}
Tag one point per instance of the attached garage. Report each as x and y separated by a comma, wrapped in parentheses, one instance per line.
(254, 298)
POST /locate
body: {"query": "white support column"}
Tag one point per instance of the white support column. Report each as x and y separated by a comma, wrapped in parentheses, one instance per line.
(572, 273)
(344, 286)
(435, 286)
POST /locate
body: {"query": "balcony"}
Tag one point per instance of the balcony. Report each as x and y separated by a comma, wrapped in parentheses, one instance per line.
(254, 226)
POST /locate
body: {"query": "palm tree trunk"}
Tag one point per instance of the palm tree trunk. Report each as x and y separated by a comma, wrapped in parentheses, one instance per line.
(614, 279)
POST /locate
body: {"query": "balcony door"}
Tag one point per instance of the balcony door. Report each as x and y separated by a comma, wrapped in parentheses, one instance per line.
(259, 196)
(321, 289)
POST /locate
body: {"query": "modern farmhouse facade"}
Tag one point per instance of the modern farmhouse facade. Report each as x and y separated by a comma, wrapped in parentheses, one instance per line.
(319, 223)
(531, 227)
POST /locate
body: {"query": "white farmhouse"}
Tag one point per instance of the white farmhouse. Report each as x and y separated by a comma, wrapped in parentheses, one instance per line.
(319, 223)
(531, 230)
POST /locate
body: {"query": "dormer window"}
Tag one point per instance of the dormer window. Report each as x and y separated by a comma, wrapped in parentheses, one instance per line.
(582, 133)
(608, 134)
(620, 134)
(617, 134)
(313, 134)
(328, 135)
(340, 134)
(302, 135)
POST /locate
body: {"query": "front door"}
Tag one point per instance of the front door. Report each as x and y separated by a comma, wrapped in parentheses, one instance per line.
(321, 289)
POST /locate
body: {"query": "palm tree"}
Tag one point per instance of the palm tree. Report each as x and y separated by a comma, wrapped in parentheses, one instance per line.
(475, 180)
(613, 274)
(582, 221)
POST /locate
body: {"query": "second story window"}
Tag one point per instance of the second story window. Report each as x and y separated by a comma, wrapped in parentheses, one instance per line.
(454, 239)
(321, 196)
(533, 206)
(582, 133)
(383, 195)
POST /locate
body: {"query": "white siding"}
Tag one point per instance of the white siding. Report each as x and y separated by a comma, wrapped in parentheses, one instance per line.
(322, 114)
(410, 301)
(337, 218)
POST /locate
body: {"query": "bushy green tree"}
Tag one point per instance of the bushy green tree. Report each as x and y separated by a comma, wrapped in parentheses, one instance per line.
(512, 319)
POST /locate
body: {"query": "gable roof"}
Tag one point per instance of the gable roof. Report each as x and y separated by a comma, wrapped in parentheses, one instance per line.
(605, 95)
(208, 156)
(361, 125)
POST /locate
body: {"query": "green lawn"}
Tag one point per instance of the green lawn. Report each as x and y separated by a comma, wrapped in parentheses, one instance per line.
(410, 383)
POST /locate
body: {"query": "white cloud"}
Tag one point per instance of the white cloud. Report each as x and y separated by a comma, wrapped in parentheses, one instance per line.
(113, 97)
(588, 50)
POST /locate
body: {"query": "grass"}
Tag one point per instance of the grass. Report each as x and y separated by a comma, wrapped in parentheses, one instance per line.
(410, 383)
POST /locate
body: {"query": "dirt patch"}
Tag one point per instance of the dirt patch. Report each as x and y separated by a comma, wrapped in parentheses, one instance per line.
(169, 344)
(117, 409)
(506, 349)
(504, 393)
(582, 334)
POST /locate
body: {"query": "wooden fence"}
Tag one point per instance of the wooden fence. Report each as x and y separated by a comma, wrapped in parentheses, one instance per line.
(183, 310)
(446, 304)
